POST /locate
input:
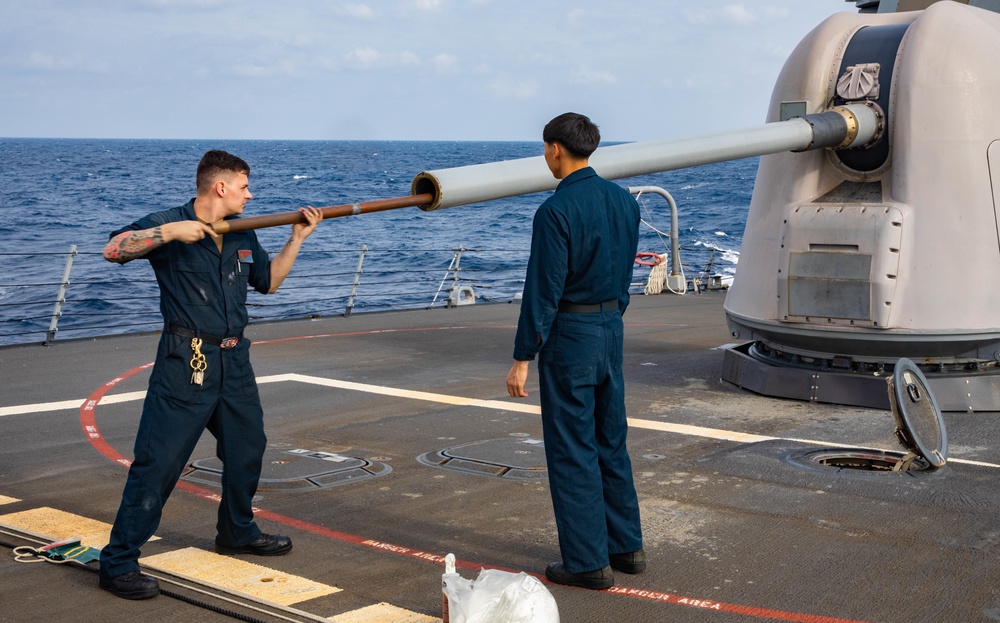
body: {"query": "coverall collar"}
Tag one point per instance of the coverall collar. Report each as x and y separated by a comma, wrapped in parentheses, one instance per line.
(576, 176)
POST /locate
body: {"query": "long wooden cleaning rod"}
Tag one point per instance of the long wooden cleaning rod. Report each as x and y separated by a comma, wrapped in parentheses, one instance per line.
(350, 209)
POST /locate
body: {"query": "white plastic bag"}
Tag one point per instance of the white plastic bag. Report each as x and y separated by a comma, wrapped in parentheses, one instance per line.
(498, 597)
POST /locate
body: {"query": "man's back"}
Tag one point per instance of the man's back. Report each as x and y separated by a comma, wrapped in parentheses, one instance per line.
(599, 221)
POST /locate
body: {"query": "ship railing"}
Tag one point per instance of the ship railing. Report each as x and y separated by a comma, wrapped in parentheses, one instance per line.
(94, 298)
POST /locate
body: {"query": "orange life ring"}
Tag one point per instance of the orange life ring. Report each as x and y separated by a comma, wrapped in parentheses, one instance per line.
(641, 258)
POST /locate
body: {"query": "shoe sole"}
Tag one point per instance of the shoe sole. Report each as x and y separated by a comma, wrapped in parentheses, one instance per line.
(255, 552)
(629, 567)
(596, 585)
(135, 596)
(625, 565)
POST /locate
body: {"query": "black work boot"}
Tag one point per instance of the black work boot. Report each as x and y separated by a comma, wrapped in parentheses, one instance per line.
(265, 545)
(598, 579)
(631, 562)
(131, 585)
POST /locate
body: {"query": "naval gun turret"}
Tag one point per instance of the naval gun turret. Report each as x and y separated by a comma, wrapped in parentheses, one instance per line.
(872, 234)
(854, 259)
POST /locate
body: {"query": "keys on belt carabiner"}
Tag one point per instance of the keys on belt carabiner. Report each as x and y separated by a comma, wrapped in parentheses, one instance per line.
(198, 363)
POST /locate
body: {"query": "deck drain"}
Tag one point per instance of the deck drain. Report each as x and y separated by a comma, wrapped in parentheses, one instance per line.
(296, 470)
(919, 429)
(861, 462)
(510, 459)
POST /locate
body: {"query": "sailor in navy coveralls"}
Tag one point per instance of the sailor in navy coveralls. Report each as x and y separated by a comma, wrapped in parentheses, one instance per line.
(583, 246)
(202, 377)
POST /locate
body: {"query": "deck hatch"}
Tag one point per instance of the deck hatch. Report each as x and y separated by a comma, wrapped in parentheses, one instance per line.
(295, 470)
(510, 459)
(919, 425)
(919, 428)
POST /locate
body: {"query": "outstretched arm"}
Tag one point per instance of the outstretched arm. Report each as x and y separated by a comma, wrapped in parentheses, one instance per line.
(130, 245)
(282, 263)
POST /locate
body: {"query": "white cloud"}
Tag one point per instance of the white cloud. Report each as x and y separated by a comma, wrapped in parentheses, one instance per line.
(586, 75)
(444, 61)
(50, 62)
(186, 4)
(428, 5)
(365, 56)
(506, 87)
(368, 57)
(359, 11)
(302, 40)
(577, 16)
(736, 13)
(252, 70)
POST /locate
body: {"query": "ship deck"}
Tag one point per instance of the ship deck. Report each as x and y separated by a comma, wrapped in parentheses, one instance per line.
(392, 442)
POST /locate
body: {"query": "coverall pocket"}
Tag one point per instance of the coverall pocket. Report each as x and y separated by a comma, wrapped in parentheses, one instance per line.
(573, 349)
(238, 275)
(172, 372)
(192, 281)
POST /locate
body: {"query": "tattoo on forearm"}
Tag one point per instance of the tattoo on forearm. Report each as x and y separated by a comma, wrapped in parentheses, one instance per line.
(128, 246)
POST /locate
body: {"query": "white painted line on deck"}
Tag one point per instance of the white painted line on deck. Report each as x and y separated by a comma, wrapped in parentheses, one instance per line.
(505, 405)
(417, 395)
(42, 407)
(698, 431)
(110, 399)
(7, 500)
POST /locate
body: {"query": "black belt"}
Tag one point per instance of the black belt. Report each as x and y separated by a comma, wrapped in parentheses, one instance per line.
(225, 343)
(594, 308)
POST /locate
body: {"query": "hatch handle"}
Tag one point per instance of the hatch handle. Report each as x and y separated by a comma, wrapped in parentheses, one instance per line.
(913, 390)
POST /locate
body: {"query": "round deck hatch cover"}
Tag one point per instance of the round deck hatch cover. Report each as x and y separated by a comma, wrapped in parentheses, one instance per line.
(919, 425)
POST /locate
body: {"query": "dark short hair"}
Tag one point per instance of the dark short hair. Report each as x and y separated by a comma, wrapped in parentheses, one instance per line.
(214, 162)
(575, 132)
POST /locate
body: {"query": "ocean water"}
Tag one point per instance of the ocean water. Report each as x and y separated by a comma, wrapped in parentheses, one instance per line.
(55, 193)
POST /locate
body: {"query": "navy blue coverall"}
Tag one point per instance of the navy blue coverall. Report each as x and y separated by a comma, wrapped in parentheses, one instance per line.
(204, 291)
(583, 244)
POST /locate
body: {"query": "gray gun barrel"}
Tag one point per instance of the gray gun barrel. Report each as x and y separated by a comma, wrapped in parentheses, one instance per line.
(841, 127)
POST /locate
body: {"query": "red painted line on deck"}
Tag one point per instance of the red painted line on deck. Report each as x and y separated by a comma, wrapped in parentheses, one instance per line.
(89, 424)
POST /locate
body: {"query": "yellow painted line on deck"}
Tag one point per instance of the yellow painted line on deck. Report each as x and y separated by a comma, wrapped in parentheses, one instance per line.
(52, 524)
(461, 401)
(382, 613)
(237, 576)
(221, 573)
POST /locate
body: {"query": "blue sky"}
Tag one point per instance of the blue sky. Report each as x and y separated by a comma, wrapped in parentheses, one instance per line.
(391, 69)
